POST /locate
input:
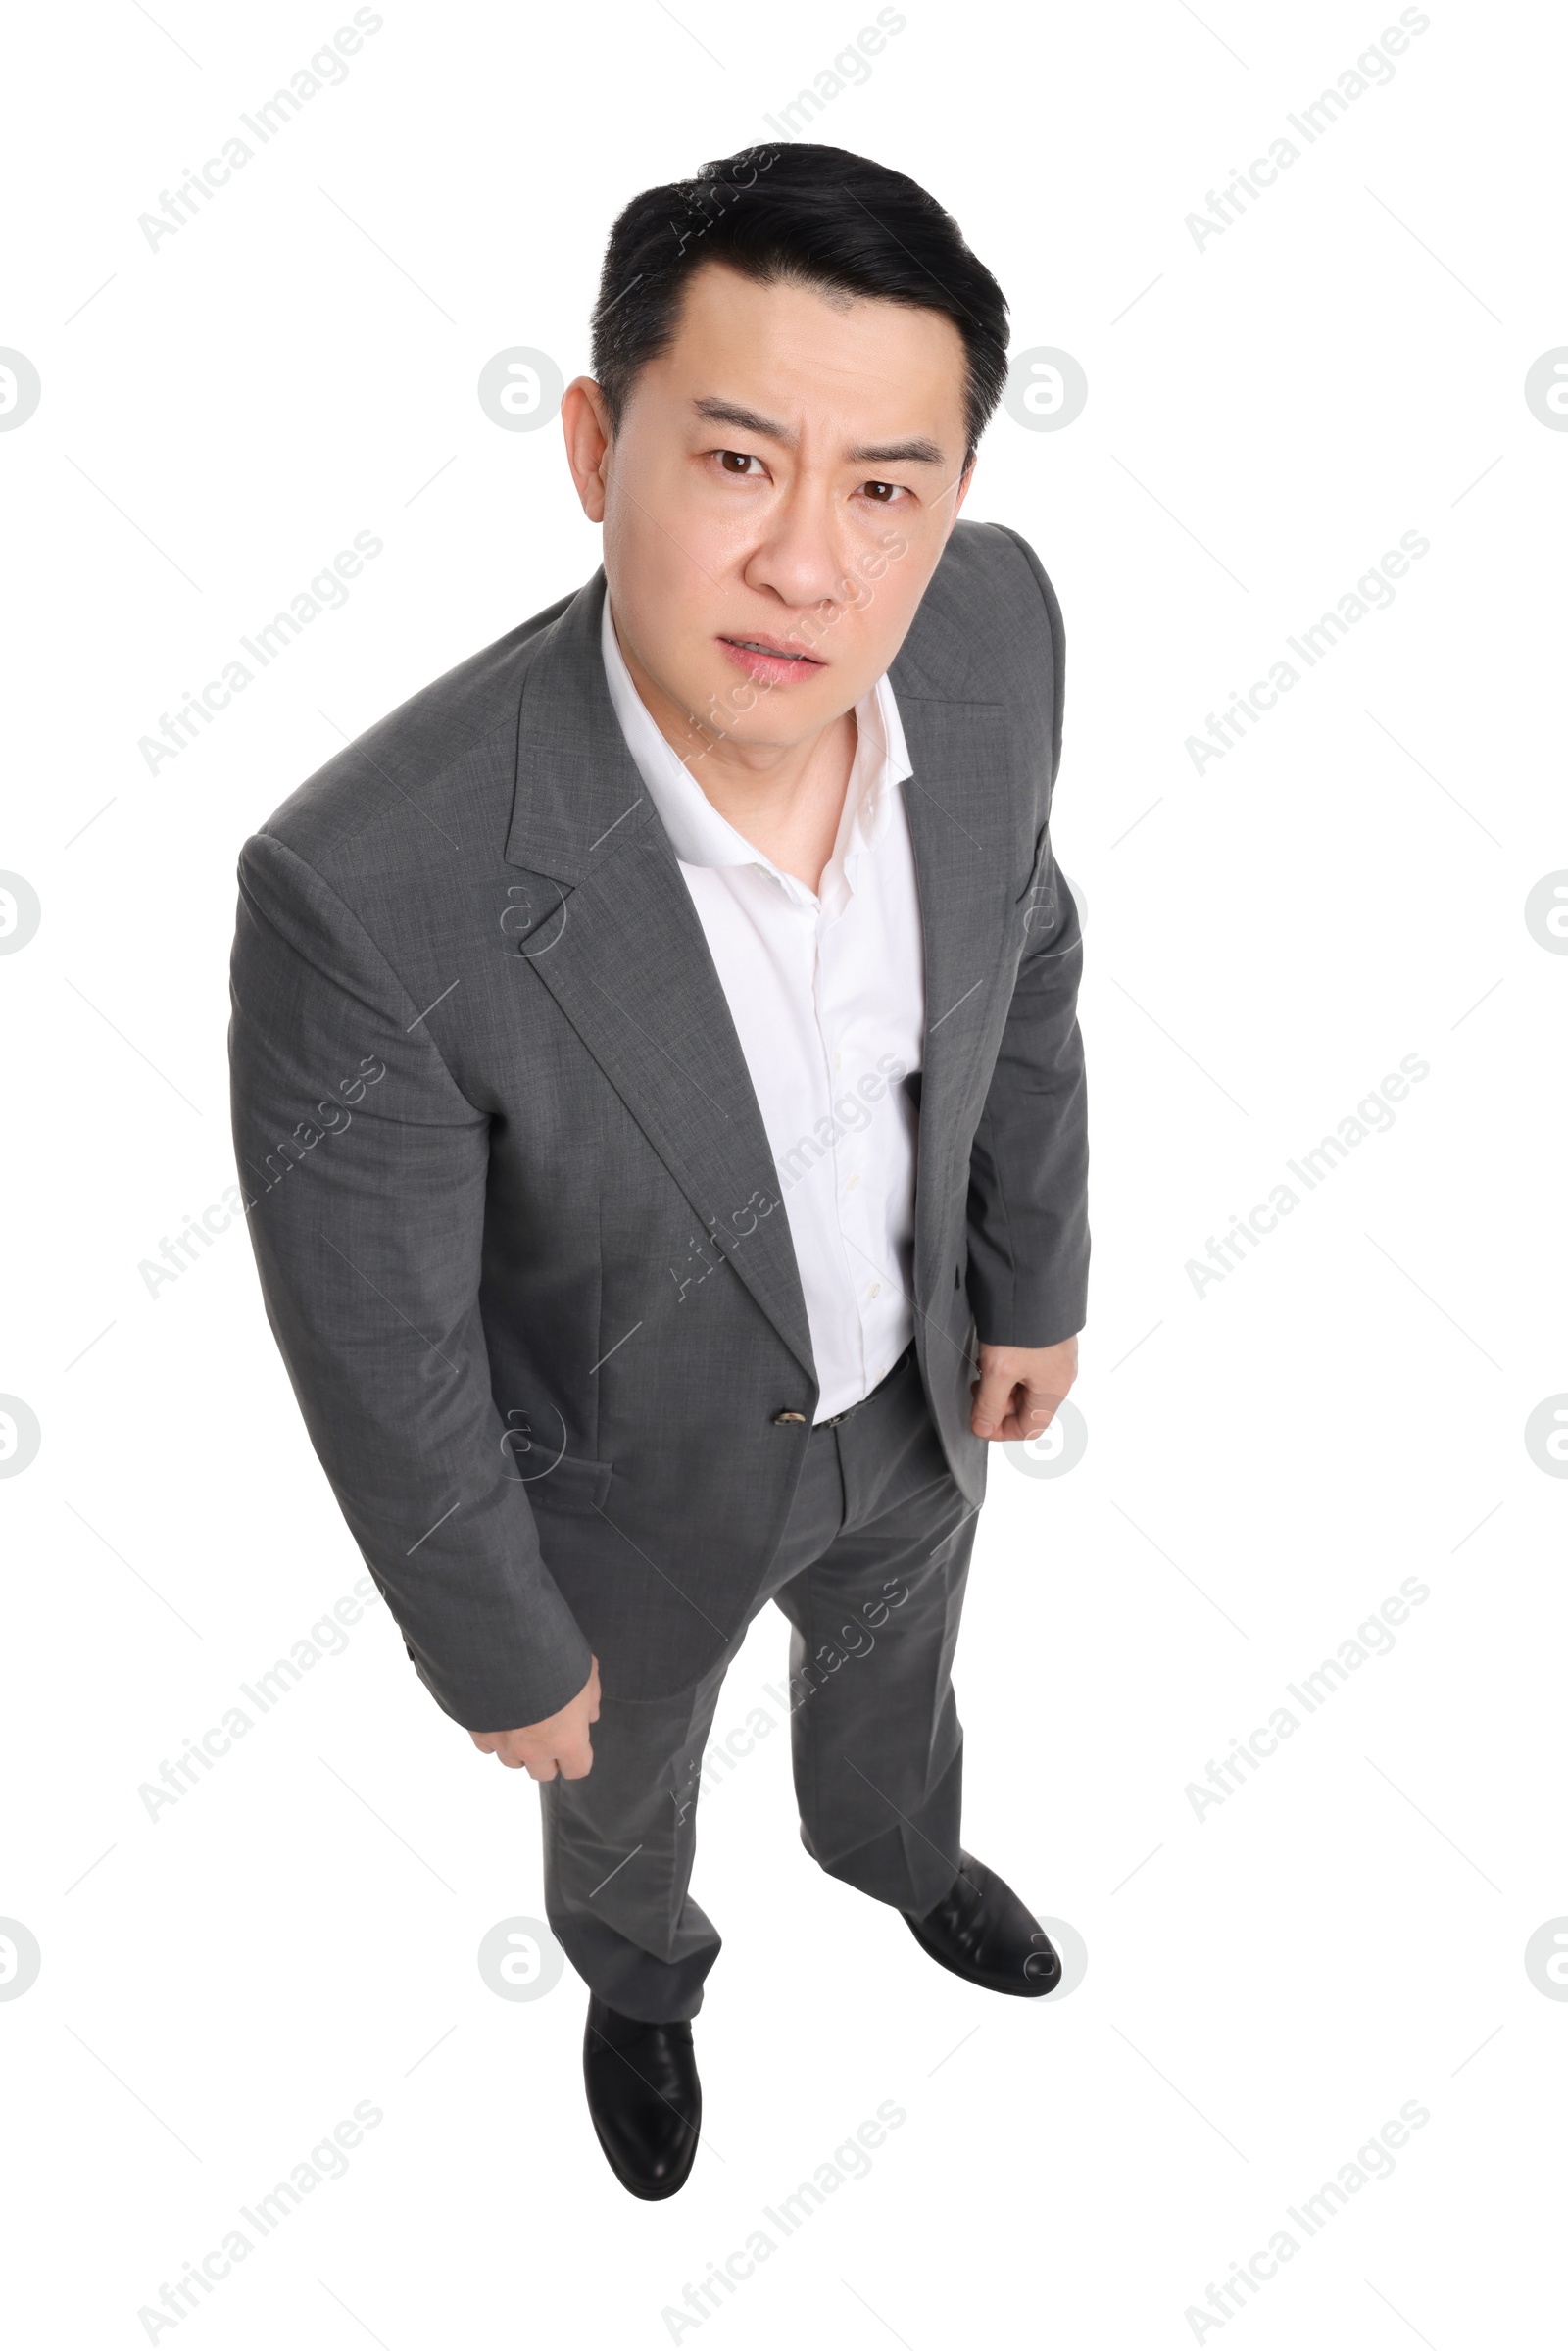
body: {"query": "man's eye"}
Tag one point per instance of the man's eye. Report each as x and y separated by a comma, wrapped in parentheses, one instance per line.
(881, 492)
(734, 461)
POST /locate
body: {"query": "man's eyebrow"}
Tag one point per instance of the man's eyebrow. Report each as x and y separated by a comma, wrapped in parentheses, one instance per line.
(883, 453)
(896, 452)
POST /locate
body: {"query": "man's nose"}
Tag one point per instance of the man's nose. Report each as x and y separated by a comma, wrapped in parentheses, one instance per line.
(800, 557)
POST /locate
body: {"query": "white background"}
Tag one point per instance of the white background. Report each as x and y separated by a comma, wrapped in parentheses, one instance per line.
(1267, 1983)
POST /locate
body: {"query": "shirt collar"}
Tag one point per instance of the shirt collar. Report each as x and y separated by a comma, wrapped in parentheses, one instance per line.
(699, 834)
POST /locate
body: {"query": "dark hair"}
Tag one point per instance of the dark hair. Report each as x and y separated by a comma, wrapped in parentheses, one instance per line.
(805, 215)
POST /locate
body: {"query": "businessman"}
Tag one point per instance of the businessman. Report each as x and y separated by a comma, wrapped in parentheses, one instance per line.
(659, 1099)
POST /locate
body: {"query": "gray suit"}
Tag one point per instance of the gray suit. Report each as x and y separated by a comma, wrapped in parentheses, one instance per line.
(499, 1145)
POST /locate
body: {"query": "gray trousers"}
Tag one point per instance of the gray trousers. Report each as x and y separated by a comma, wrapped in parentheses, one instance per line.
(870, 1573)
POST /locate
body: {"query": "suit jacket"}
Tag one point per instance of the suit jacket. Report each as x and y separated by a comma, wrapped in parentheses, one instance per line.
(519, 1228)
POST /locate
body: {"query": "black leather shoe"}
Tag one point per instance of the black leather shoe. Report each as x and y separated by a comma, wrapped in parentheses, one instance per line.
(982, 1931)
(645, 2098)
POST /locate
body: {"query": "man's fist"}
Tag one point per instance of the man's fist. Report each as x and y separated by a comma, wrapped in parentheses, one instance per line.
(1019, 1389)
(559, 1744)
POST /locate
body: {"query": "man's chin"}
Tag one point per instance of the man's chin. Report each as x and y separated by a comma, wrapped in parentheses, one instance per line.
(768, 723)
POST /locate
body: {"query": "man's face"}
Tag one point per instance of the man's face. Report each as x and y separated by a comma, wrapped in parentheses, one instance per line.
(786, 473)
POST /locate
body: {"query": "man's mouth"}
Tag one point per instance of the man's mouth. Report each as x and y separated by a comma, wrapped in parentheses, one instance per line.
(783, 652)
(770, 660)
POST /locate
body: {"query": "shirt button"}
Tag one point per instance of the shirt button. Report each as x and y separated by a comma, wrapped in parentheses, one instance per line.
(873, 1292)
(838, 1061)
(850, 1186)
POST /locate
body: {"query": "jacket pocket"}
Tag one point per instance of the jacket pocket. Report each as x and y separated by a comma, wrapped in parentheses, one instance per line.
(1042, 858)
(575, 1486)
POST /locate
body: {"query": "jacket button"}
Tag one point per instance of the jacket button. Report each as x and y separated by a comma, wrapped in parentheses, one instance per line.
(780, 1418)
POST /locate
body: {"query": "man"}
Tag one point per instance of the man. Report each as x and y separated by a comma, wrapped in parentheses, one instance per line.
(658, 1085)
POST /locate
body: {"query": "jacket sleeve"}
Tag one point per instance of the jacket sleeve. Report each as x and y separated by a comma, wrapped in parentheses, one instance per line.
(364, 1170)
(1028, 1207)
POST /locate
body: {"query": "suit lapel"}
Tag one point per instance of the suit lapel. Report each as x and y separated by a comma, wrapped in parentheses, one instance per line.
(621, 947)
(959, 802)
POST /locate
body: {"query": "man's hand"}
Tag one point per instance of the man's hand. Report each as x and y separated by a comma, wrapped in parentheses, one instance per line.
(559, 1744)
(1019, 1389)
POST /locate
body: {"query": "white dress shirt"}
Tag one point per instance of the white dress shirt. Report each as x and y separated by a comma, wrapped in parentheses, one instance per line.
(827, 992)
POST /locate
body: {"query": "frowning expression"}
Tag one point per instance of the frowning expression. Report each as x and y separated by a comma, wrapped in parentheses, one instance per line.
(775, 500)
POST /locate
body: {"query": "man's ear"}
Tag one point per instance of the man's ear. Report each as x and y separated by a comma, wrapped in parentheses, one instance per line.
(585, 424)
